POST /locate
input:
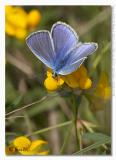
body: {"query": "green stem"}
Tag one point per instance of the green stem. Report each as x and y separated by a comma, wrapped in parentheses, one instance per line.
(80, 140)
(75, 113)
(49, 128)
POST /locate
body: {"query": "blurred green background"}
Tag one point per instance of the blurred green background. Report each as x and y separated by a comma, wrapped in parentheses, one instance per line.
(25, 76)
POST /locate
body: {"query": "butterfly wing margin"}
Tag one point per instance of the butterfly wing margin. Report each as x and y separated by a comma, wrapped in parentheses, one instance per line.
(41, 44)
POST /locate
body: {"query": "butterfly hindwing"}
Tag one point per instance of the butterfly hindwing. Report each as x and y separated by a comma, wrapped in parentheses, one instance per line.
(71, 68)
(77, 57)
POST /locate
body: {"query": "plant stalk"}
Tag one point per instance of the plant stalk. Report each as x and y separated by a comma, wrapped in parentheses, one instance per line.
(75, 117)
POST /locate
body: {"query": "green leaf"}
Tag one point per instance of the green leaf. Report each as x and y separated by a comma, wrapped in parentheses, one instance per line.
(95, 136)
(101, 139)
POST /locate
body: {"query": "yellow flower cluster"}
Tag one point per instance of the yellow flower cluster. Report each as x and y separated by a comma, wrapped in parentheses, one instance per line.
(77, 79)
(26, 147)
(101, 93)
(103, 89)
(19, 22)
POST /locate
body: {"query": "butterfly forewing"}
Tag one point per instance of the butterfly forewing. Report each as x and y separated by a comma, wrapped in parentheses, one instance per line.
(41, 45)
(64, 38)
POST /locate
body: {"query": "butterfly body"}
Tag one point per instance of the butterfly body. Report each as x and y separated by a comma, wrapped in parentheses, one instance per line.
(60, 50)
(59, 63)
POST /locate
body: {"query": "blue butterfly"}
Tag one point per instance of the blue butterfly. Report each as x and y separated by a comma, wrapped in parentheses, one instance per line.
(60, 50)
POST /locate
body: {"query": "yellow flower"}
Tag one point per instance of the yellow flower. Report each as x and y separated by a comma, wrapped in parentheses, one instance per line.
(22, 142)
(77, 79)
(101, 93)
(20, 33)
(85, 83)
(72, 80)
(103, 89)
(19, 22)
(10, 30)
(16, 22)
(33, 18)
(26, 147)
(8, 9)
(51, 83)
(17, 17)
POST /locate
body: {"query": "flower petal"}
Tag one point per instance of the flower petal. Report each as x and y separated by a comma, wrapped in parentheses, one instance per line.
(43, 153)
(21, 143)
(37, 143)
(33, 21)
(85, 83)
(71, 81)
(50, 84)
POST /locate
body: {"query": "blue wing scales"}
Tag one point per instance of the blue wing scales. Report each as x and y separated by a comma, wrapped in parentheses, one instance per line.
(41, 45)
(76, 57)
(64, 38)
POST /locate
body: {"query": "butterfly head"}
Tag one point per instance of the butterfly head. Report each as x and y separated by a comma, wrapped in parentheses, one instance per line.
(54, 74)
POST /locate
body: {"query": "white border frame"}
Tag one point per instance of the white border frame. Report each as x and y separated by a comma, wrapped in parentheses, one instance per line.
(2, 72)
